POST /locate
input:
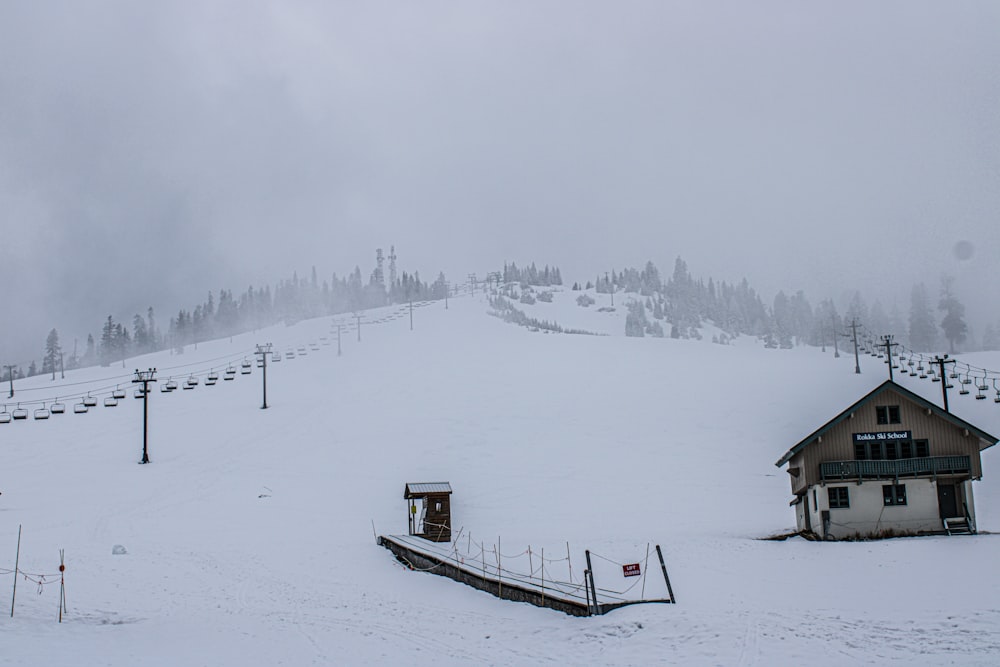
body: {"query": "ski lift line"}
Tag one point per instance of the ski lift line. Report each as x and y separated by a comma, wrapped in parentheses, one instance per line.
(106, 389)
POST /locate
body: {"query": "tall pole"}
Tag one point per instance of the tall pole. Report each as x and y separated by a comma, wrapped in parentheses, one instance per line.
(887, 342)
(62, 367)
(262, 352)
(411, 314)
(338, 339)
(358, 317)
(854, 332)
(10, 376)
(836, 352)
(941, 361)
(144, 378)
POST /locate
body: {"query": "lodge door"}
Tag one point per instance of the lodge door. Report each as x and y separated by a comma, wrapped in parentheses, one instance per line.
(947, 502)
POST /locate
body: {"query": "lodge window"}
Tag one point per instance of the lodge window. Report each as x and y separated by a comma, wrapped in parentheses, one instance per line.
(906, 450)
(887, 414)
(921, 449)
(893, 494)
(860, 451)
(838, 497)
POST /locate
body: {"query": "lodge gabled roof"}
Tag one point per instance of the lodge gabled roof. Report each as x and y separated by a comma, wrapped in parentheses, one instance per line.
(867, 398)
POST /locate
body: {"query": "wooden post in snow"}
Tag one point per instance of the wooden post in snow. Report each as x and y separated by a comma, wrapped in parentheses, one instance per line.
(666, 578)
(17, 561)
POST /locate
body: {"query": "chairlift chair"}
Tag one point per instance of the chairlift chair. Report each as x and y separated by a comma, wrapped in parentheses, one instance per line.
(980, 388)
(983, 386)
(966, 380)
(42, 413)
(57, 408)
(230, 373)
(5, 416)
(212, 378)
(80, 408)
(191, 382)
(997, 390)
(965, 386)
(164, 389)
(89, 401)
(171, 384)
(276, 357)
(290, 354)
(140, 393)
(314, 347)
(246, 367)
(110, 401)
(118, 393)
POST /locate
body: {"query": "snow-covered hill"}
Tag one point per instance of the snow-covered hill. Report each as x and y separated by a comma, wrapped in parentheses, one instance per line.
(250, 535)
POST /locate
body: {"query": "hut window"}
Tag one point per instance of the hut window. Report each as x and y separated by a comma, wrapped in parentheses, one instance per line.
(921, 450)
(894, 494)
(906, 449)
(887, 414)
(838, 497)
(860, 451)
(437, 506)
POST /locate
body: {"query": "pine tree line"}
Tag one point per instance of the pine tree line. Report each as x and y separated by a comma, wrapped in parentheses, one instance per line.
(226, 314)
(686, 304)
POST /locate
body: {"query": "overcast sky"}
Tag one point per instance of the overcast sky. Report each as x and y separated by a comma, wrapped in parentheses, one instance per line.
(152, 151)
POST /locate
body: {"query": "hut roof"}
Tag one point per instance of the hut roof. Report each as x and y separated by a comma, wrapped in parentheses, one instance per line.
(420, 489)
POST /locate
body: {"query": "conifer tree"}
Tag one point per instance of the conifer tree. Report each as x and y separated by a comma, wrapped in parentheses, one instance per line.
(53, 353)
(923, 333)
(953, 324)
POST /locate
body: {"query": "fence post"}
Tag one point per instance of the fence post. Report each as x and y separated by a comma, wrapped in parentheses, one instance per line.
(666, 578)
(593, 586)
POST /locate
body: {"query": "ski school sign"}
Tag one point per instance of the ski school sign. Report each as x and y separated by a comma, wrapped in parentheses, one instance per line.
(887, 436)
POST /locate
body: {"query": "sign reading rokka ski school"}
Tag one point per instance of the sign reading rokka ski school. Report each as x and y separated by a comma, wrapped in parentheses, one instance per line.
(885, 436)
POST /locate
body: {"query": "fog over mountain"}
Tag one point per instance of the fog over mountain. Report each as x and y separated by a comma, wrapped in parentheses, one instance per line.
(150, 152)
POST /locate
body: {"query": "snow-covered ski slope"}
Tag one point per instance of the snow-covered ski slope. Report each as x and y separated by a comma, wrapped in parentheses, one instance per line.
(250, 535)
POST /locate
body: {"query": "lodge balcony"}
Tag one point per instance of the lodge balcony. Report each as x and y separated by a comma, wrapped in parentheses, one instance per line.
(894, 469)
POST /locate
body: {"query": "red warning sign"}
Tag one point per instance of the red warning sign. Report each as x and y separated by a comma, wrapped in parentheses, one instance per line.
(631, 570)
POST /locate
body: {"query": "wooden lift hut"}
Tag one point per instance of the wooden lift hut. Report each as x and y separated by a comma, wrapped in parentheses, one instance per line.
(434, 523)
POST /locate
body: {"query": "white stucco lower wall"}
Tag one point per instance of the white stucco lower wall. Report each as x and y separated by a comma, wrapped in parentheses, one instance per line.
(869, 516)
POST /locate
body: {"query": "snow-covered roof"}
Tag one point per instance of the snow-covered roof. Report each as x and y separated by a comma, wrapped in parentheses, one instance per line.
(420, 488)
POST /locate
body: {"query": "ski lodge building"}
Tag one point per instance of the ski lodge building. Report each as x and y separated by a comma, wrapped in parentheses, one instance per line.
(891, 464)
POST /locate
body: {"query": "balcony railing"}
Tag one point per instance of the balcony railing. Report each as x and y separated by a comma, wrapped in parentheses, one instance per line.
(932, 465)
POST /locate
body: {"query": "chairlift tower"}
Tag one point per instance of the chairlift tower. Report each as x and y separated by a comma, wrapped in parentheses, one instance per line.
(10, 376)
(262, 352)
(854, 335)
(887, 342)
(392, 266)
(144, 378)
(941, 361)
